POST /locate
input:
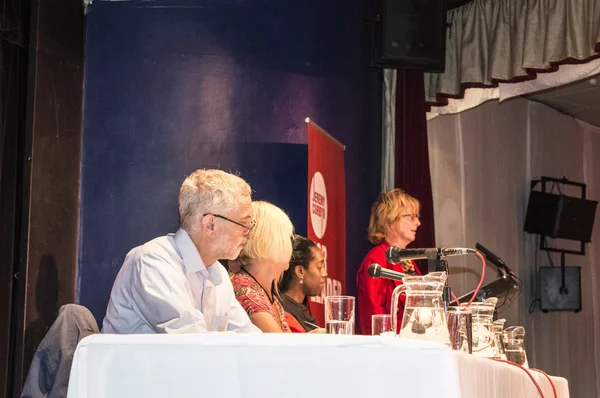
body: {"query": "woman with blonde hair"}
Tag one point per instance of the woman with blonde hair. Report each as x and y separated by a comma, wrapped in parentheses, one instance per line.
(395, 218)
(260, 266)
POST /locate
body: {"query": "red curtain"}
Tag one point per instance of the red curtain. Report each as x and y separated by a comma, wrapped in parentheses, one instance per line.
(412, 153)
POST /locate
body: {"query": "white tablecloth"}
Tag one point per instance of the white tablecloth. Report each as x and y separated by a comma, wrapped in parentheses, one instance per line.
(295, 365)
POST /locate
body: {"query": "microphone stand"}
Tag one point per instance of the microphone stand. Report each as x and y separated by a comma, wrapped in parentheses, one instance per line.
(436, 264)
(447, 293)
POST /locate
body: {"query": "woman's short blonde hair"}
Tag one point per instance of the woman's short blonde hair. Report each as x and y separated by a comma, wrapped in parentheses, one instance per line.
(387, 210)
(272, 236)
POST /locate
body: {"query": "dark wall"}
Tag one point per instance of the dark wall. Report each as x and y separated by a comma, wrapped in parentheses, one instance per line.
(175, 86)
(13, 90)
(49, 177)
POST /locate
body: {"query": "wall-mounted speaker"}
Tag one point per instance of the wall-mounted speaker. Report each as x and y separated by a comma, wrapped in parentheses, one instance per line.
(560, 216)
(556, 297)
(409, 34)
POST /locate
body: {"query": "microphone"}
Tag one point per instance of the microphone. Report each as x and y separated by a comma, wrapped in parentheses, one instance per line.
(492, 258)
(497, 261)
(377, 271)
(395, 254)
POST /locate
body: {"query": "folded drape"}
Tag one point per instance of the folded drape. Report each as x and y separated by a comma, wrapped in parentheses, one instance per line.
(499, 40)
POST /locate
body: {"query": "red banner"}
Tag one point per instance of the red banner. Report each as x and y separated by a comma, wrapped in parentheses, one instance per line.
(327, 211)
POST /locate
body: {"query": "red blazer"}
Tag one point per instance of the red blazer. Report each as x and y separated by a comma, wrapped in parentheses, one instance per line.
(374, 296)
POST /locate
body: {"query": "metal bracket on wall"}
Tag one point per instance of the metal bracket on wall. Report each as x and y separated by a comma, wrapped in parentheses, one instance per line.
(544, 181)
(543, 245)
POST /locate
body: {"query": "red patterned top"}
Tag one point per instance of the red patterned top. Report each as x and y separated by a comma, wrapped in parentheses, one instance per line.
(254, 298)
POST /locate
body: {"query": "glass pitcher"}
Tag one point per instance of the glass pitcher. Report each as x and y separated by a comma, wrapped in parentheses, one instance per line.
(514, 345)
(498, 342)
(424, 317)
(483, 327)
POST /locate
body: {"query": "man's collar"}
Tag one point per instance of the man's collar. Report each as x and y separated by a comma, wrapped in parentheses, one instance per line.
(192, 261)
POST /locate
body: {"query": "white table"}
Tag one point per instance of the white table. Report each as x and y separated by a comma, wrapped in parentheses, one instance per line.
(289, 365)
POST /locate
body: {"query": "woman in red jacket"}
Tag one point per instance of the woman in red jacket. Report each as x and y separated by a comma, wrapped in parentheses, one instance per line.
(394, 222)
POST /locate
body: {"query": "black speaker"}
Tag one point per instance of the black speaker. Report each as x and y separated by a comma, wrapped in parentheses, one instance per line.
(560, 216)
(553, 296)
(409, 34)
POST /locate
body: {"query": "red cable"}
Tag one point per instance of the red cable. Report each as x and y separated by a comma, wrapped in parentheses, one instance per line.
(526, 371)
(484, 347)
(454, 297)
(480, 280)
(549, 379)
(537, 386)
(478, 286)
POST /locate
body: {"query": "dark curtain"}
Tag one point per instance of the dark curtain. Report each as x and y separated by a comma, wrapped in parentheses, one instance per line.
(14, 16)
(14, 56)
(412, 152)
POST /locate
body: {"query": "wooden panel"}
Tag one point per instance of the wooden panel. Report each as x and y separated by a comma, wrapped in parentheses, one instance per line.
(51, 176)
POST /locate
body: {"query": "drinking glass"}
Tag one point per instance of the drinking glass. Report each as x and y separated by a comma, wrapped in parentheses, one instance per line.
(460, 323)
(381, 323)
(339, 315)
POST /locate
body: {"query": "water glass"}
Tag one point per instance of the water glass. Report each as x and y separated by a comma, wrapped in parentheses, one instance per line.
(339, 315)
(381, 323)
(460, 324)
(515, 352)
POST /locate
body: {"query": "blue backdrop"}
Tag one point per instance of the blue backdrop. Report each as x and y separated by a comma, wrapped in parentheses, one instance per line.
(175, 86)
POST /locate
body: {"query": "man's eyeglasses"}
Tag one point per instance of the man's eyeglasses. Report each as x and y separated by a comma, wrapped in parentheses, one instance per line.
(249, 228)
(412, 217)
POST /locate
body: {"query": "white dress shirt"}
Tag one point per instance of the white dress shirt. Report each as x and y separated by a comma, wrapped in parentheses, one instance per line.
(164, 287)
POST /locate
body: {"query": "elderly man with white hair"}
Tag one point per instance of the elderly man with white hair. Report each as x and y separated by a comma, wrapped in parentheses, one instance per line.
(175, 283)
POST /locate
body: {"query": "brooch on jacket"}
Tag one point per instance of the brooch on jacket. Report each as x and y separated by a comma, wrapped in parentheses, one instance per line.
(408, 267)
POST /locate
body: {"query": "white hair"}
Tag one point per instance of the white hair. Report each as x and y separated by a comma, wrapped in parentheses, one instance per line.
(272, 236)
(209, 191)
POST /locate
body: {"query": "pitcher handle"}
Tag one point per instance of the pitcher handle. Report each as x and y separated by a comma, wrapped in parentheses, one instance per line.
(394, 311)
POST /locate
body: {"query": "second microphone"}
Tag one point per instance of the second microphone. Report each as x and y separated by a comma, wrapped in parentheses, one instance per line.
(395, 254)
(377, 271)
